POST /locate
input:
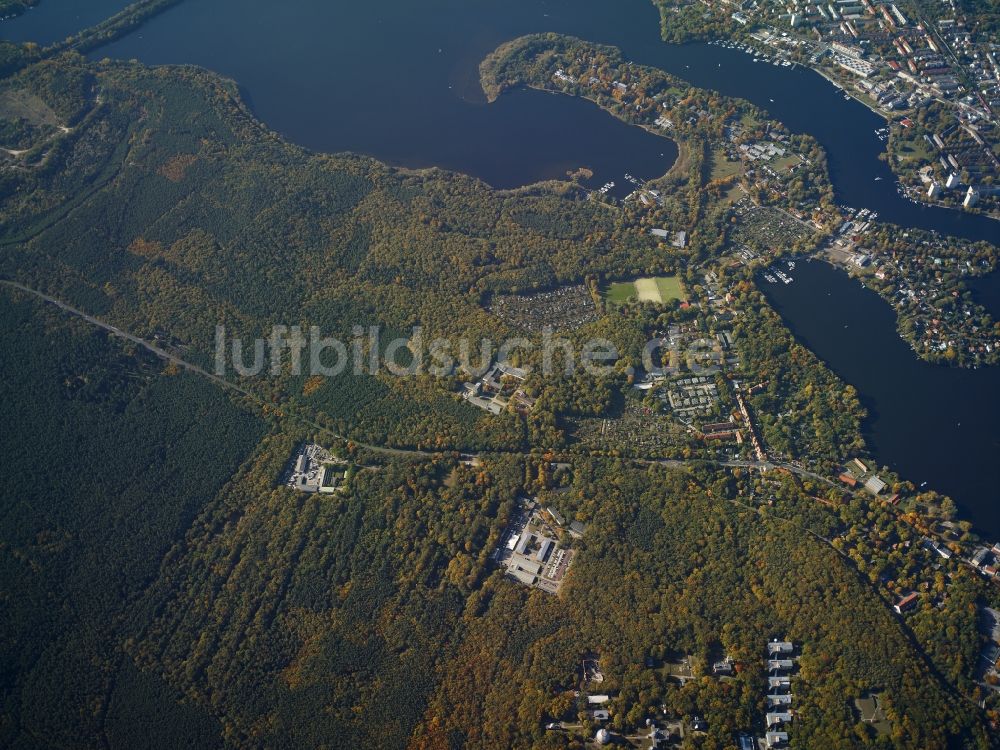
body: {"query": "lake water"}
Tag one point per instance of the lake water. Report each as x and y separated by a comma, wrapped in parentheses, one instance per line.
(927, 422)
(986, 291)
(53, 20)
(399, 80)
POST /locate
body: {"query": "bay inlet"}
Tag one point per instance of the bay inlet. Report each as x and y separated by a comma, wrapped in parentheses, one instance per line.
(412, 99)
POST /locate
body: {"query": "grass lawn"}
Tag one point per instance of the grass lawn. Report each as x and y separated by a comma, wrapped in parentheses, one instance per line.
(680, 166)
(657, 289)
(670, 288)
(620, 292)
(913, 150)
(722, 167)
(733, 194)
(21, 104)
(785, 163)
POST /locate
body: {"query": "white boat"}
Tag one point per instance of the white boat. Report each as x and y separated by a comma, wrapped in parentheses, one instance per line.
(783, 276)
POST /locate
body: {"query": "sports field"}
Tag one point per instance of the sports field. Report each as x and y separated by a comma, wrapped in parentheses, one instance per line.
(657, 289)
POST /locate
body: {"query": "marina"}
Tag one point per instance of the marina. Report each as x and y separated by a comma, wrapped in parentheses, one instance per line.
(649, 433)
(930, 423)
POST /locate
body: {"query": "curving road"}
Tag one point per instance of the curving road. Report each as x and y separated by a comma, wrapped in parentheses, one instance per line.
(170, 357)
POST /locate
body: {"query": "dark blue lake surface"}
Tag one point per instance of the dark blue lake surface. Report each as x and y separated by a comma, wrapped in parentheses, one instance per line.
(399, 80)
(928, 422)
(986, 291)
(54, 20)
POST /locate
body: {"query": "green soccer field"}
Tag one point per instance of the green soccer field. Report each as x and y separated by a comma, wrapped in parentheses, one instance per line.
(659, 289)
(670, 288)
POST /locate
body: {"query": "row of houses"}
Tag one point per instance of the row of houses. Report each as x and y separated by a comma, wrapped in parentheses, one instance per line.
(780, 665)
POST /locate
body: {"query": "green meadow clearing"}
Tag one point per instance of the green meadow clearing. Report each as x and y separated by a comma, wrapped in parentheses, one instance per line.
(659, 289)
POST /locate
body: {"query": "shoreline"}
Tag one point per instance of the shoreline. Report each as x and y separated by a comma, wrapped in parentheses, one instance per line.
(889, 121)
(678, 143)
